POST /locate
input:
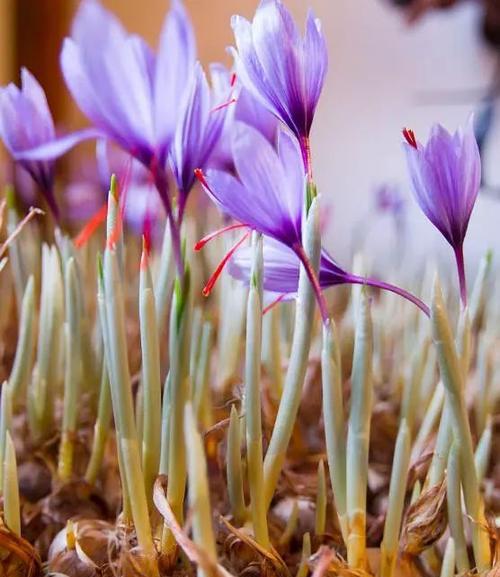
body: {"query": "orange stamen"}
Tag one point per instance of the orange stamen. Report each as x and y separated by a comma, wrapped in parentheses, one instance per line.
(207, 289)
(201, 243)
(92, 225)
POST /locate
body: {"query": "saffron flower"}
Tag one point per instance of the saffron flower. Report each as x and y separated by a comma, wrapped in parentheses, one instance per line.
(132, 95)
(198, 131)
(282, 69)
(281, 273)
(445, 175)
(267, 195)
(26, 127)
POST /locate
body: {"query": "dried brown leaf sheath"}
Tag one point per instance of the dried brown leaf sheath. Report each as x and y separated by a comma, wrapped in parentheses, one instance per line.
(425, 520)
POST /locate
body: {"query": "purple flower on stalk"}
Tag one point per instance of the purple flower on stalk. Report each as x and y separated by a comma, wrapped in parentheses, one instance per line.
(267, 195)
(445, 176)
(282, 69)
(198, 131)
(26, 126)
(281, 273)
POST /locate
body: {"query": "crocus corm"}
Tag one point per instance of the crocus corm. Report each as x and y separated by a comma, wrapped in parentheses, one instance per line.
(282, 69)
(445, 175)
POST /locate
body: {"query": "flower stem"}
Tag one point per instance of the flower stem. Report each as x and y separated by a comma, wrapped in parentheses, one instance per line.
(353, 279)
(448, 564)
(462, 281)
(292, 389)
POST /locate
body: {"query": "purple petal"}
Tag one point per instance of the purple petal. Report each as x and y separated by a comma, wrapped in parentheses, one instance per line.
(59, 146)
(175, 62)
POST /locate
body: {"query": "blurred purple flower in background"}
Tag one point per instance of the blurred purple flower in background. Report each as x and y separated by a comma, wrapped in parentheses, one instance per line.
(132, 95)
(26, 126)
(282, 69)
(445, 175)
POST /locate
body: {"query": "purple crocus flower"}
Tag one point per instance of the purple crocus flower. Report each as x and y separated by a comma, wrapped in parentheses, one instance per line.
(282, 69)
(445, 176)
(26, 126)
(198, 131)
(281, 273)
(132, 95)
(268, 192)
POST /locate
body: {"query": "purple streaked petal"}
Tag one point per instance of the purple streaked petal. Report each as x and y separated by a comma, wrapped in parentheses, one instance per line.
(175, 63)
(58, 146)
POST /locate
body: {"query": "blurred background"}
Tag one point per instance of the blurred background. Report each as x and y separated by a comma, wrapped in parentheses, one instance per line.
(383, 74)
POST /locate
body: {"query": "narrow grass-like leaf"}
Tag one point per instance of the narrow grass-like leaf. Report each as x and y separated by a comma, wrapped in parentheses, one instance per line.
(234, 469)
(334, 420)
(199, 496)
(23, 360)
(73, 371)
(151, 383)
(358, 435)
(5, 423)
(11, 506)
(294, 380)
(452, 377)
(321, 501)
(252, 401)
(397, 491)
(455, 515)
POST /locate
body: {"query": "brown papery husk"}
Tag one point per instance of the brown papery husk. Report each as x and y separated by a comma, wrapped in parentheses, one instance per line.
(17, 556)
(425, 521)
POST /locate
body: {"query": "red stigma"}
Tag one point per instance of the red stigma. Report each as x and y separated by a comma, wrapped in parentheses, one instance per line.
(409, 136)
(273, 304)
(198, 172)
(91, 226)
(146, 247)
(202, 242)
(233, 79)
(207, 289)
